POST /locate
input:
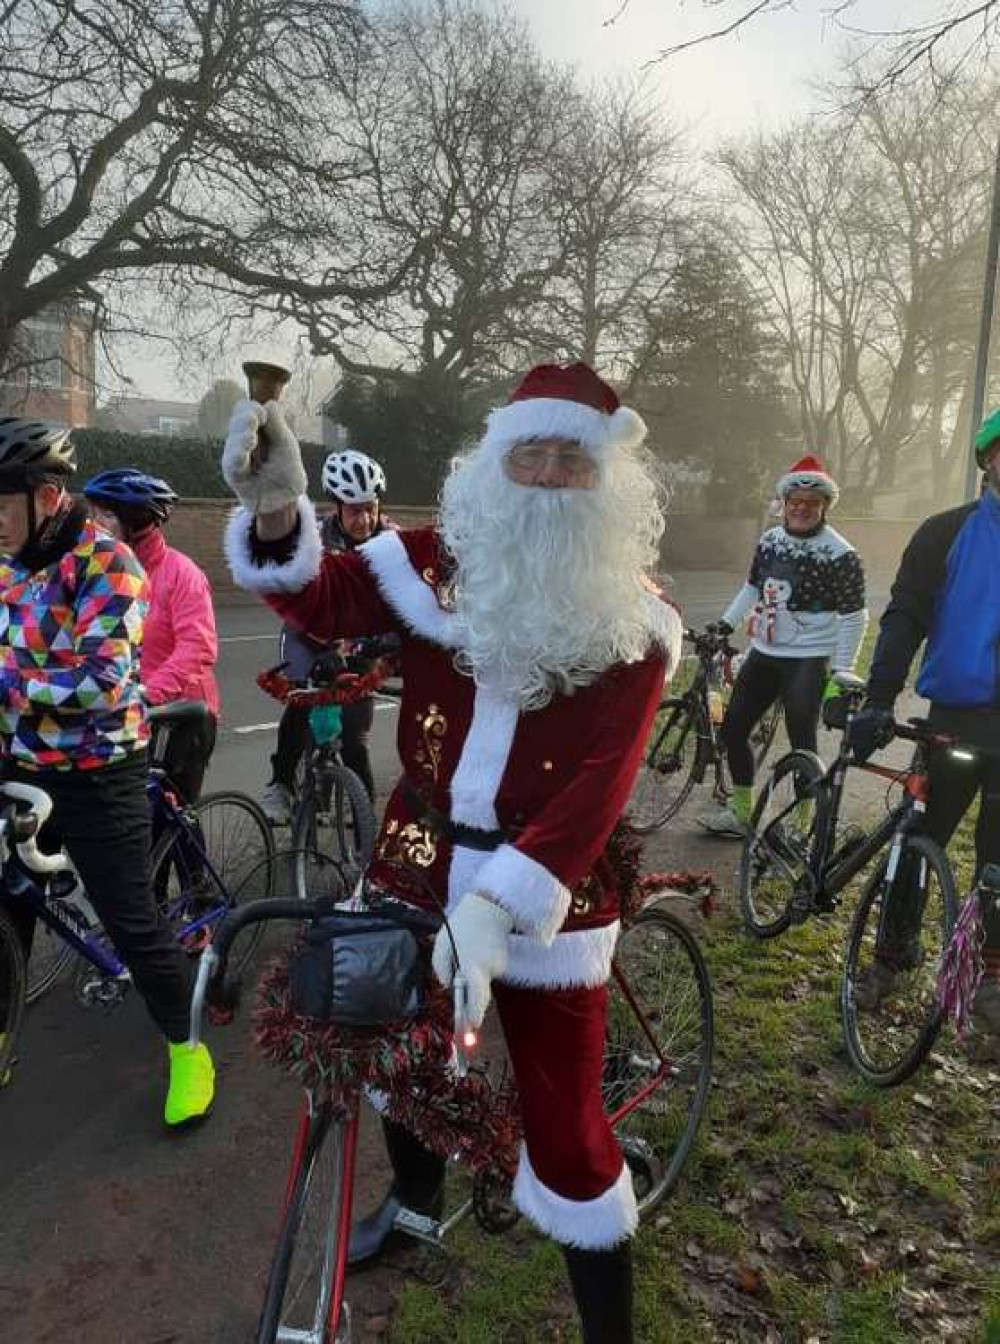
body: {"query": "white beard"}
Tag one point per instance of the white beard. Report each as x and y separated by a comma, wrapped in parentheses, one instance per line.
(549, 590)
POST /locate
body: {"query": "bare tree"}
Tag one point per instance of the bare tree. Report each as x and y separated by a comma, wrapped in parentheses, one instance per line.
(195, 141)
(626, 200)
(968, 24)
(457, 120)
(865, 234)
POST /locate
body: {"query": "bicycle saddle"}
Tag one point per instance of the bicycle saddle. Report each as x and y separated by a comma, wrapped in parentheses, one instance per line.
(178, 711)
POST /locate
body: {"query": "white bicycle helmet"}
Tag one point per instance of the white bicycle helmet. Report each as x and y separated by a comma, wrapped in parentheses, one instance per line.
(353, 477)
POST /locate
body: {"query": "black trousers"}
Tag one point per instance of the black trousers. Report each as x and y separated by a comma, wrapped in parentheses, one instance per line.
(103, 818)
(952, 787)
(293, 737)
(189, 750)
(797, 682)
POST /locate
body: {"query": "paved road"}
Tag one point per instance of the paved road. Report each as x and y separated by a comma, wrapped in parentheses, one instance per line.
(112, 1233)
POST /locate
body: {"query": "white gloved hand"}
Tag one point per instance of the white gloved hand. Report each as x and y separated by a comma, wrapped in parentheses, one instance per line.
(481, 931)
(263, 487)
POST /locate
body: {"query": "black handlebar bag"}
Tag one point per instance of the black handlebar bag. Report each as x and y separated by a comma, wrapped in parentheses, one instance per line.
(360, 970)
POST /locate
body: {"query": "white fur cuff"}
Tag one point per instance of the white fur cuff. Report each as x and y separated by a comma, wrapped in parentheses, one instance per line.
(579, 958)
(290, 577)
(590, 1224)
(534, 896)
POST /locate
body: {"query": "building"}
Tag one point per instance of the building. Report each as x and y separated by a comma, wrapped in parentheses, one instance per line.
(151, 415)
(54, 375)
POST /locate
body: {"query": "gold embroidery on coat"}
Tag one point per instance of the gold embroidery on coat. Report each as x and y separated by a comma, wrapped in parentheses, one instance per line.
(433, 726)
(413, 844)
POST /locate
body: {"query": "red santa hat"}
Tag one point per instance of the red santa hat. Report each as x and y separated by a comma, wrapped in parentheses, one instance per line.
(556, 401)
(808, 473)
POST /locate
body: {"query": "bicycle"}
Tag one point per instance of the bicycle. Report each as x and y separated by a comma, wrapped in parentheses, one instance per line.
(658, 1062)
(329, 795)
(684, 744)
(797, 859)
(227, 828)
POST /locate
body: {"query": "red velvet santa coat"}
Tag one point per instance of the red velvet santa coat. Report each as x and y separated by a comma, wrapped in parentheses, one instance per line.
(555, 779)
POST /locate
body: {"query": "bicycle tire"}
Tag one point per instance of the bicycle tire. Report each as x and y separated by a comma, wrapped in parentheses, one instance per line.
(49, 960)
(770, 857)
(321, 863)
(316, 1216)
(242, 866)
(14, 971)
(674, 753)
(660, 988)
(925, 1017)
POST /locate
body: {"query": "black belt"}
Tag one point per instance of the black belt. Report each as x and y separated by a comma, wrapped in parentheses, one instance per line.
(442, 826)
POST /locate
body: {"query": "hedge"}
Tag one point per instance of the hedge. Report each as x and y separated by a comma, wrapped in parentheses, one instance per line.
(191, 466)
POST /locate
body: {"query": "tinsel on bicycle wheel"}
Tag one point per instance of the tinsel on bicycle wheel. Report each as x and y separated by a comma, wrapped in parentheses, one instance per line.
(409, 1064)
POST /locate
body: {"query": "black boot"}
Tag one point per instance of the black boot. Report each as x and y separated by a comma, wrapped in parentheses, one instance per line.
(602, 1286)
(418, 1184)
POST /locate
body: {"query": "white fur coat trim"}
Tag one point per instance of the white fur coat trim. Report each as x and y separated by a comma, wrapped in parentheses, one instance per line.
(578, 959)
(535, 897)
(269, 577)
(667, 630)
(590, 1224)
(413, 600)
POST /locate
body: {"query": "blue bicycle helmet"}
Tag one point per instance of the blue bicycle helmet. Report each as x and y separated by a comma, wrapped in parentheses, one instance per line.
(131, 489)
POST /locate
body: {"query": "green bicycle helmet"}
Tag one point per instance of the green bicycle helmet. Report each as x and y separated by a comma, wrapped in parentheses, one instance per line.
(986, 436)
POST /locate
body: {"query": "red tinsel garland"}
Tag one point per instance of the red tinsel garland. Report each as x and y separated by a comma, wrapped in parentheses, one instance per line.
(348, 687)
(409, 1065)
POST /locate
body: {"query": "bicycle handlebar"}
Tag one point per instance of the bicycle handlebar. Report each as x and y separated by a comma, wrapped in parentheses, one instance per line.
(213, 988)
(23, 827)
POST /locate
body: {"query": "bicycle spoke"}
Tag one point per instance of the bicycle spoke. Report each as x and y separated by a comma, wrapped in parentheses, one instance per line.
(659, 1050)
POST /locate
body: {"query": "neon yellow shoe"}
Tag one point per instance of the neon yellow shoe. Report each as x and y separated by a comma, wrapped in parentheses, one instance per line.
(192, 1084)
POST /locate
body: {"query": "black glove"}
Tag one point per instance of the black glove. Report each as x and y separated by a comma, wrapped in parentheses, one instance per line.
(872, 728)
(721, 628)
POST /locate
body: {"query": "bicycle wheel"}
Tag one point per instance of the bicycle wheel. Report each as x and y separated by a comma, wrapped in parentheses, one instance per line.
(669, 768)
(50, 956)
(890, 1034)
(304, 1296)
(333, 835)
(658, 1056)
(221, 856)
(13, 992)
(774, 860)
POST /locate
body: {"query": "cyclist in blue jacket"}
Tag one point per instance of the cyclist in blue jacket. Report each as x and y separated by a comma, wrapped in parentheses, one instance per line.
(947, 593)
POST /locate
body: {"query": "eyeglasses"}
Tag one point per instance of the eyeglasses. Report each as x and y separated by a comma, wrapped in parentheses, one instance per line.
(530, 463)
(804, 502)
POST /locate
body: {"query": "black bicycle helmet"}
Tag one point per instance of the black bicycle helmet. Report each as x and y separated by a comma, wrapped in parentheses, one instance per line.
(32, 452)
(131, 490)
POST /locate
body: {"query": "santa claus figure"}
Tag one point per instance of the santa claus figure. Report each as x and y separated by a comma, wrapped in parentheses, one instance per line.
(533, 660)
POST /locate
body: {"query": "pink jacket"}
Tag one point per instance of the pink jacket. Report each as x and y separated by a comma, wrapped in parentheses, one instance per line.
(179, 643)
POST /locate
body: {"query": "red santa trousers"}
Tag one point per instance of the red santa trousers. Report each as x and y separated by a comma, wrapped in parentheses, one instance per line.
(572, 1181)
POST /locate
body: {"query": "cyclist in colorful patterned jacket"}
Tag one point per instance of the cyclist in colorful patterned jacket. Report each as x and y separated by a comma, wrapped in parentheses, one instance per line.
(947, 592)
(72, 722)
(805, 599)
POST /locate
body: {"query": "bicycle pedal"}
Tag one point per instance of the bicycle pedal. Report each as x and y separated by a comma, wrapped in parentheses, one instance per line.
(420, 1226)
(799, 911)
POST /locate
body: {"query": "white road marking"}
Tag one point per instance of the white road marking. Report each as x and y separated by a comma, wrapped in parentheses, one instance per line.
(266, 727)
